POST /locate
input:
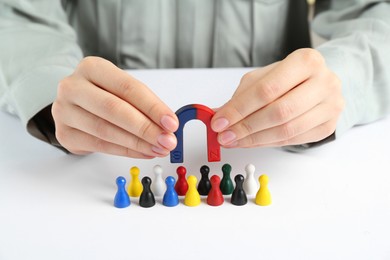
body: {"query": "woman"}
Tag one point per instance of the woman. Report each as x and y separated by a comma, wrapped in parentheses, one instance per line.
(297, 97)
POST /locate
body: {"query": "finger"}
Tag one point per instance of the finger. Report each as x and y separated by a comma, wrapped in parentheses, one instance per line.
(78, 142)
(78, 118)
(253, 76)
(310, 136)
(118, 112)
(114, 80)
(292, 71)
(296, 127)
(293, 104)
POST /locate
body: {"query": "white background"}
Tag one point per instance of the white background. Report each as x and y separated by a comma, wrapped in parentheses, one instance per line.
(331, 202)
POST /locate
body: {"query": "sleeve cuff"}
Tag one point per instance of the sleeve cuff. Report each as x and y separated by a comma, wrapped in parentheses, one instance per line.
(36, 90)
(33, 95)
(42, 126)
(303, 147)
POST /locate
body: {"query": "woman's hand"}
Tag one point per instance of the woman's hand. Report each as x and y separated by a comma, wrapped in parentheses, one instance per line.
(100, 108)
(295, 101)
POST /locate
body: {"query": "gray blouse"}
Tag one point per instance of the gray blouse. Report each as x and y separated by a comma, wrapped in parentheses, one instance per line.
(41, 42)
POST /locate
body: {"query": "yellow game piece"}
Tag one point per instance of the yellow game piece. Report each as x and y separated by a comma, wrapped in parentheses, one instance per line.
(135, 187)
(192, 197)
(263, 196)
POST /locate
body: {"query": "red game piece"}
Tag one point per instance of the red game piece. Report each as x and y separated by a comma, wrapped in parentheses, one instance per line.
(215, 197)
(181, 186)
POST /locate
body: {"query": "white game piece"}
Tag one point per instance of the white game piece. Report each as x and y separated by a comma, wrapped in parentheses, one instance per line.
(250, 184)
(158, 184)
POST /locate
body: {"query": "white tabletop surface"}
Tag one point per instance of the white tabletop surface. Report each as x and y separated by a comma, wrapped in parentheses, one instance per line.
(331, 202)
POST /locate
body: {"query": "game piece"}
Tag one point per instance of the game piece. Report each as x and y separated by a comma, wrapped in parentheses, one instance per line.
(146, 200)
(215, 197)
(226, 185)
(181, 186)
(135, 186)
(239, 197)
(203, 113)
(170, 198)
(250, 184)
(158, 184)
(192, 197)
(121, 199)
(204, 185)
(263, 196)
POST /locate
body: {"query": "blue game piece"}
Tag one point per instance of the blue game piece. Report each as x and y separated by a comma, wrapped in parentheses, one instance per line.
(170, 198)
(122, 199)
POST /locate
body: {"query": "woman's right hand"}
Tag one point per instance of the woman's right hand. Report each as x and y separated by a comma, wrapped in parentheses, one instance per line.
(101, 108)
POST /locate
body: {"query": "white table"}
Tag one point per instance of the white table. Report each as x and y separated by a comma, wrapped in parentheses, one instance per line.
(331, 202)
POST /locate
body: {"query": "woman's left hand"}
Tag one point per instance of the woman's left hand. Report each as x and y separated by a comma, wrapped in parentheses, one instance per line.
(295, 101)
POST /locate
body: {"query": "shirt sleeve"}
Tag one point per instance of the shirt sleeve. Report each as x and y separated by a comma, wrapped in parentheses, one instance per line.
(358, 51)
(37, 49)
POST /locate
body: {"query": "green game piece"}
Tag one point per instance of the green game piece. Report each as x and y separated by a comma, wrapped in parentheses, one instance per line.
(226, 185)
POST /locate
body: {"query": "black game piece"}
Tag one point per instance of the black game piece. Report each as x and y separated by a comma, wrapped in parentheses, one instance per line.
(204, 185)
(239, 197)
(146, 199)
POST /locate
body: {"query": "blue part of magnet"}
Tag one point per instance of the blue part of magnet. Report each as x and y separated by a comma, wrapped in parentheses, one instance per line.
(184, 115)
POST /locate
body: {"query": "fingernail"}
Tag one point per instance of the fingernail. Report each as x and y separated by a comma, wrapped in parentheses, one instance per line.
(227, 137)
(148, 156)
(159, 150)
(231, 145)
(169, 123)
(168, 141)
(220, 124)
